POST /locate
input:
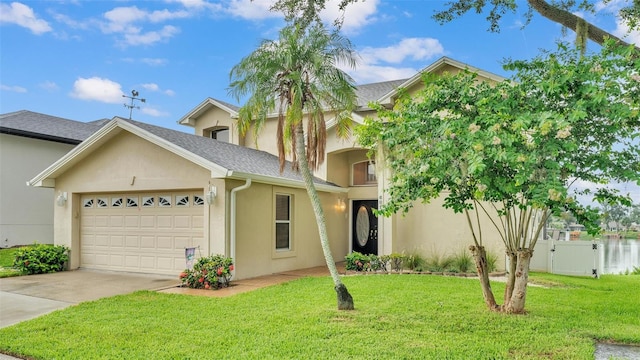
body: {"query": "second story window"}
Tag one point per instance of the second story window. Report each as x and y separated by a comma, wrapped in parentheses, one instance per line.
(364, 173)
(219, 133)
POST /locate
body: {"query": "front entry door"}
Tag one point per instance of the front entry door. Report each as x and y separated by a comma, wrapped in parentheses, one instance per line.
(365, 227)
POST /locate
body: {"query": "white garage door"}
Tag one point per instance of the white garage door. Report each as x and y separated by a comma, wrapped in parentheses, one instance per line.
(140, 232)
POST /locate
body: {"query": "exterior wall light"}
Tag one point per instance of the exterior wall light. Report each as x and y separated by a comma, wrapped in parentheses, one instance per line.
(61, 200)
(341, 205)
(211, 194)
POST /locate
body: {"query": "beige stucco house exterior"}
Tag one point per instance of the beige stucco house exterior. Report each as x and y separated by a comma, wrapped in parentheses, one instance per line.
(138, 195)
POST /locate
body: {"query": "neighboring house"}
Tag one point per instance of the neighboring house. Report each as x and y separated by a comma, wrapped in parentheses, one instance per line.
(29, 142)
(138, 195)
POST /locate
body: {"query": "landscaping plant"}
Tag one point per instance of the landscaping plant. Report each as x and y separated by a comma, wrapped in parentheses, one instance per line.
(41, 258)
(211, 272)
(512, 151)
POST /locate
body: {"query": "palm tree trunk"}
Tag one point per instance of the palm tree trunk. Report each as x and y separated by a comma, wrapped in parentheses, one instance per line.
(345, 300)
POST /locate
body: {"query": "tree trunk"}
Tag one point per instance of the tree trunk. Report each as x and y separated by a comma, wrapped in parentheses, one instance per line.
(480, 257)
(570, 21)
(511, 277)
(517, 301)
(345, 301)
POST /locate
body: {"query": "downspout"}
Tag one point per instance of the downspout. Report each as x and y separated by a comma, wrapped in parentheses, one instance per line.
(232, 234)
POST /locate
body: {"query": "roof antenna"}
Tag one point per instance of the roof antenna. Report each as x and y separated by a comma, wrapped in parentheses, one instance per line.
(133, 97)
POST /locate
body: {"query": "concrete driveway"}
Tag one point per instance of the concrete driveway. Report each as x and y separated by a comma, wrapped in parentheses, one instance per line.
(27, 297)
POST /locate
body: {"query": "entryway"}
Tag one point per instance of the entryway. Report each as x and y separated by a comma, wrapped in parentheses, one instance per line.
(364, 227)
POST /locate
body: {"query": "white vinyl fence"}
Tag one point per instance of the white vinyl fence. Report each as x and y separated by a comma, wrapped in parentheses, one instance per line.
(581, 258)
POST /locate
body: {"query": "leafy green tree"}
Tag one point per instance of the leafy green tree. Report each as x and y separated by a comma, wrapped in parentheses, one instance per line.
(615, 215)
(296, 77)
(512, 150)
(562, 12)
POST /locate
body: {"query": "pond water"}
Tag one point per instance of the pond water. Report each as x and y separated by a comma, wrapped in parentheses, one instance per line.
(621, 255)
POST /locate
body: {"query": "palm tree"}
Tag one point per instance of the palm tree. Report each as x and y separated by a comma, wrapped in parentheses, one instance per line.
(297, 77)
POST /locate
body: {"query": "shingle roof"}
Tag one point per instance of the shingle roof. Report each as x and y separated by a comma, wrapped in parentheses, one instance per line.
(372, 92)
(229, 156)
(230, 106)
(46, 127)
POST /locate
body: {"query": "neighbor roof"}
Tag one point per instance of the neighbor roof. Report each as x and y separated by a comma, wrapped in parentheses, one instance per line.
(45, 127)
(224, 160)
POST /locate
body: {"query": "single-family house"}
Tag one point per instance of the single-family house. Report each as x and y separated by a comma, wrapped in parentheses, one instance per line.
(138, 195)
(29, 142)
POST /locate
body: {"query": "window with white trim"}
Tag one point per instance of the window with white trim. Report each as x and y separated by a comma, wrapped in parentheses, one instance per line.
(88, 203)
(164, 201)
(102, 202)
(283, 222)
(182, 200)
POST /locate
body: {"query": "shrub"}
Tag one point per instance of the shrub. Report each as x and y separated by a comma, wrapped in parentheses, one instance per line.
(492, 262)
(356, 261)
(41, 258)
(380, 262)
(462, 262)
(396, 261)
(413, 262)
(211, 272)
(437, 263)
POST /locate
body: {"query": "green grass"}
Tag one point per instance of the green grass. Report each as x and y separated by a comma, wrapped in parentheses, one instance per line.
(6, 262)
(396, 317)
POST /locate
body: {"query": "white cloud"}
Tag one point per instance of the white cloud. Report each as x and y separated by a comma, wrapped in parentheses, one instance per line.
(18, 89)
(97, 89)
(151, 87)
(150, 37)
(154, 112)
(156, 88)
(49, 86)
(409, 48)
(390, 62)
(163, 15)
(622, 31)
(612, 6)
(366, 73)
(22, 15)
(127, 21)
(154, 62)
(356, 15)
(120, 19)
(252, 10)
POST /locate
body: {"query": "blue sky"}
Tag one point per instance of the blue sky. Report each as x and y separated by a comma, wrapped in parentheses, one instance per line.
(75, 59)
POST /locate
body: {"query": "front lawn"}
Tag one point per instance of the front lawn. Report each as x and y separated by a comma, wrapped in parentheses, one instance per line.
(6, 262)
(396, 317)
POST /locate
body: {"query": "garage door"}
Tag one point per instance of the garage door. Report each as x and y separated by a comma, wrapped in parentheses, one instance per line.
(140, 232)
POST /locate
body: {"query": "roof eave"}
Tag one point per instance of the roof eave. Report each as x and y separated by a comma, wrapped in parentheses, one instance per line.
(47, 177)
(284, 182)
(189, 118)
(388, 98)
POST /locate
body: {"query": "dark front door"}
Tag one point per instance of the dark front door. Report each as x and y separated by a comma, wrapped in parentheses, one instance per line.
(365, 227)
